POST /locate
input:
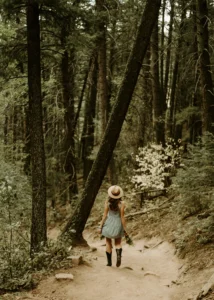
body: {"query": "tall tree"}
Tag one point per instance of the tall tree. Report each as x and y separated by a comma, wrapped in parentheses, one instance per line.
(102, 61)
(87, 141)
(195, 120)
(157, 92)
(162, 45)
(68, 82)
(38, 227)
(76, 223)
(168, 51)
(172, 102)
(205, 66)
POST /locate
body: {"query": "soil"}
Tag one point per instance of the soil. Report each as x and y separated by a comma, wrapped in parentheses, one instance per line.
(151, 269)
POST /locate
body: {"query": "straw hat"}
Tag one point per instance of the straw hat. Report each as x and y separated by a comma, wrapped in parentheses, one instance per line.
(115, 192)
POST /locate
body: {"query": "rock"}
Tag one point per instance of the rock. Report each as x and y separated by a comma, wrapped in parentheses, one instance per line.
(206, 288)
(150, 273)
(93, 249)
(128, 268)
(64, 276)
(76, 260)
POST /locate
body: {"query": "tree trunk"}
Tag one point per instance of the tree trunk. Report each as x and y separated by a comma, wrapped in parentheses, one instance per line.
(38, 227)
(87, 141)
(162, 45)
(168, 53)
(195, 121)
(68, 99)
(157, 93)
(205, 69)
(26, 150)
(145, 109)
(76, 223)
(102, 63)
(172, 108)
(112, 171)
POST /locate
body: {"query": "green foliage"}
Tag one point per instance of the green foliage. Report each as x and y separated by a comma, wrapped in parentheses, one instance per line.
(155, 165)
(195, 180)
(51, 257)
(187, 113)
(15, 203)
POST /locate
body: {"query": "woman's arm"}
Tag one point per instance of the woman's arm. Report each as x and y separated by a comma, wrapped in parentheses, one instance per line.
(122, 213)
(106, 209)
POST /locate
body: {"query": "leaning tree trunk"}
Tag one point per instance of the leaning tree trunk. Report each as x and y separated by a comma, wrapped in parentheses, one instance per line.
(76, 223)
(38, 227)
(205, 70)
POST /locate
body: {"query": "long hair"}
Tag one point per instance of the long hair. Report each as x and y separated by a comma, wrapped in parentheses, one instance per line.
(113, 203)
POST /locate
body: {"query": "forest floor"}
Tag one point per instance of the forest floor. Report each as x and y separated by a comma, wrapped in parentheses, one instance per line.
(151, 269)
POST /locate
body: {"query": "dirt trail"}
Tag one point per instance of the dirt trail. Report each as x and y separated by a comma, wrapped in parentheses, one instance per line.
(149, 270)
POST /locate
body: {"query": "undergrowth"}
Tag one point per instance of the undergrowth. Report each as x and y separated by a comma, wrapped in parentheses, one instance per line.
(16, 265)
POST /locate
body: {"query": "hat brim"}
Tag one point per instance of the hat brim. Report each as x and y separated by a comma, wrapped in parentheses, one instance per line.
(115, 196)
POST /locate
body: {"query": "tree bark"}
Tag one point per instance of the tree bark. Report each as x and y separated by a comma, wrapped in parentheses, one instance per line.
(38, 226)
(112, 171)
(26, 150)
(195, 121)
(68, 100)
(172, 108)
(205, 69)
(75, 225)
(168, 53)
(145, 108)
(87, 141)
(102, 63)
(158, 99)
(162, 45)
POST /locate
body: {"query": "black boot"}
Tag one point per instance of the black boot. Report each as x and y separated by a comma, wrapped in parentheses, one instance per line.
(119, 254)
(109, 263)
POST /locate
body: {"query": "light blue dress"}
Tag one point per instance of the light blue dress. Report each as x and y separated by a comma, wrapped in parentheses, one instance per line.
(113, 227)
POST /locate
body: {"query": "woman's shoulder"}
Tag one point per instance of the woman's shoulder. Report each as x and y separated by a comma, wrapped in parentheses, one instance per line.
(123, 203)
(106, 202)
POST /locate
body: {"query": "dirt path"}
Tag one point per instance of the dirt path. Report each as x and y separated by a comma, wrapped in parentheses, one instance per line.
(148, 271)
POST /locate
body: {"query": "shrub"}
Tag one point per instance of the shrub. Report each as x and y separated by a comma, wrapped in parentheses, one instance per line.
(195, 180)
(155, 165)
(15, 203)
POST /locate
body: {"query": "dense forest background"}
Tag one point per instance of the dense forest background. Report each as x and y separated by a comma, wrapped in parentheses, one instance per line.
(123, 89)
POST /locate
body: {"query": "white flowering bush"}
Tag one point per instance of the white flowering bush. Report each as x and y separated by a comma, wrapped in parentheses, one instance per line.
(155, 165)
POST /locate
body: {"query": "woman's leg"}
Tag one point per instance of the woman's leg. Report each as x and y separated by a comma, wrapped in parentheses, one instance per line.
(118, 247)
(118, 243)
(108, 251)
(108, 245)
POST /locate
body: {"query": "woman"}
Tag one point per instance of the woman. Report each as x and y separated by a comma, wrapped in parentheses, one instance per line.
(113, 225)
